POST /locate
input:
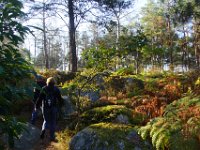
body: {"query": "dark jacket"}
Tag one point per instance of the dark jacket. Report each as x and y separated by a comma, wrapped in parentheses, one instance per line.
(43, 93)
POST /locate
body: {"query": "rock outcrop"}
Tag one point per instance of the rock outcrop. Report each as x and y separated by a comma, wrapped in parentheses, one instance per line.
(102, 138)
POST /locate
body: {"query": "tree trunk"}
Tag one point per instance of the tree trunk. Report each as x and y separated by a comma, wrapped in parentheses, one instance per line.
(45, 38)
(35, 49)
(72, 39)
(170, 41)
(118, 33)
(196, 41)
(137, 62)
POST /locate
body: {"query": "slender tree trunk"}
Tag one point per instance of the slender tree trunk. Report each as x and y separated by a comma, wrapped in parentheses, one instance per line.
(182, 59)
(185, 46)
(197, 41)
(72, 39)
(45, 38)
(117, 41)
(118, 33)
(137, 62)
(170, 41)
(35, 49)
(49, 52)
(184, 49)
(188, 53)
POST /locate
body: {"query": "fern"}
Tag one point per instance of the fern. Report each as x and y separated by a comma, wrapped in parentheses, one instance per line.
(144, 131)
(194, 125)
(157, 126)
(159, 132)
(175, 125)
(153, 130)
(178, 128)
(162, 141)
(158, 123)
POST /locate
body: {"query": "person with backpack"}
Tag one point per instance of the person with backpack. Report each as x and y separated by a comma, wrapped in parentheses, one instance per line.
(40, 82)
(50, 98)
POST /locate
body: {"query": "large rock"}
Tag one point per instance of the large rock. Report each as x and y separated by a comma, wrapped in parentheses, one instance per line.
(122, 119)
(69, 108)
(27, 139)
(133, 82)
(108, 137)
(83, 140)
(92, 95)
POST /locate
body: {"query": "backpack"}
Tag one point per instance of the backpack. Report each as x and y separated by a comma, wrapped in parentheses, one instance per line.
(50, 99)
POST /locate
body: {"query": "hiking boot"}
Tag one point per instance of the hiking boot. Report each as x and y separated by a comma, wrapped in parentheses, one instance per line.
(42, 134)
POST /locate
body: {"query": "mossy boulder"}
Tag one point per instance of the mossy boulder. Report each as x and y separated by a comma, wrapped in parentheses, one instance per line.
(108, 136)
(111, 113)
(125, 84)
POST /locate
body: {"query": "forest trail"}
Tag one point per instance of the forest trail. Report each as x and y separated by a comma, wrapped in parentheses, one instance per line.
(47, 145)
(44, 144)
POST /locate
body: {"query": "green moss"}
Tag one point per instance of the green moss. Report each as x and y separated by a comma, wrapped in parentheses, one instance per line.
(109, 114)
(105, 113)
(120, 101)
(113, 133)
(111, 130)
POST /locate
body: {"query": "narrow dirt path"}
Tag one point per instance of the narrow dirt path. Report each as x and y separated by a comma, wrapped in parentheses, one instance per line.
(46, 144)
(25, 114)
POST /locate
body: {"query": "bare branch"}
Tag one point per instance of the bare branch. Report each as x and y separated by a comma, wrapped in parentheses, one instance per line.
(62, 19)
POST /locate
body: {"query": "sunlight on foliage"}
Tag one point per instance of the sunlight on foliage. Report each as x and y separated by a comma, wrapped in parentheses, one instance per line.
(60, 76)
(112, 133)
(64, 138)
(109, 113)
(178, 127)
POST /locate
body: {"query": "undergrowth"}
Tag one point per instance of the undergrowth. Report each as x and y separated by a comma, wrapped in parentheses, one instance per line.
(109, 114)
(179, 128)
(172, 122)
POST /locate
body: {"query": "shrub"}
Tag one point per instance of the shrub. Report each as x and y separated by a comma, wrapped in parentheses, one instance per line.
(197, 86)
(130, 85)
(114, 84)
(125, 71)
(133, 86)
(13, 67)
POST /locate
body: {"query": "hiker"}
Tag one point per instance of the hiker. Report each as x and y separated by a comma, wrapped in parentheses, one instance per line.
(50, 98)
(40, 81)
